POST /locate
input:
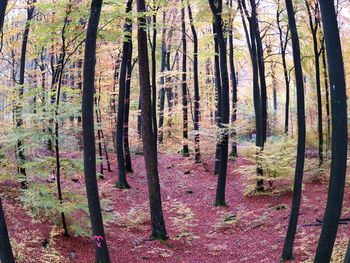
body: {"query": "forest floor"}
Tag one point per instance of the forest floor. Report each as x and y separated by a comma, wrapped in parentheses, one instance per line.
(249, 229)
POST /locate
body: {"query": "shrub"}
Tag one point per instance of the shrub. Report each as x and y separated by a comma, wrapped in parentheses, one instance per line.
(276, 160)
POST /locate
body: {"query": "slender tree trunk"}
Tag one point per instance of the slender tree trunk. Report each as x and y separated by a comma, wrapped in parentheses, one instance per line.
(261, 67)
(154, 70)
(299, 167)
(19, 113)
(225, 104)
(114, 87)
(196, 88)
(234, 152)
(102, 254)
(185, 150)
(122, 182)
(326, 85)
(339, 132)
(162, 84)
(314, 25)
(128, 165)
(148, 130)
(139, 118)
(218, 95)
(161, 113)
(99, 126)
(283, 46)
(57, 157)
(319, 101)
(274, 84)
(259, 141)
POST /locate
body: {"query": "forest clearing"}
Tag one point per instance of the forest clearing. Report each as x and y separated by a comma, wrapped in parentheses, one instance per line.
(174, 131)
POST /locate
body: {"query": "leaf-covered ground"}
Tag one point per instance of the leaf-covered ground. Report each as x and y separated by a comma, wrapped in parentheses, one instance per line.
(249, 229)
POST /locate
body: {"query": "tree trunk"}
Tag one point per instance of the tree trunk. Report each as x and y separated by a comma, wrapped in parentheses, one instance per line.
(339, 132)
(102, 254)
(299, 167)
(154, 70)
(162, 84)
(196, 88)
(261, 67)
(314, 25)
(283, 47)
(234, 152)
(122, 182)
(19, 117)
(185, 150)
(128, 165)
(225, 104)
(259, 141)
(99, 126)
(3, 5)
(148, 131)
(218, 94)
(326, 85)
(6, 254)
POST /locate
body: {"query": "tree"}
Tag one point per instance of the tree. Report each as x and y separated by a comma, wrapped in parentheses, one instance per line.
(185, 150)
(6, 254)
(163, 66)
(102, 254)
(122, 182)
(3, 5)
(339, 132)
(225, 104)
(128, 164)
(196, 87)
(326, 85)
(154, 68)
(234, 88)
(283, 41)
(314, 23)
(217, 74)
(252, 46)
(148, 130)
(19, 117)
(261, 67)
(299, 166)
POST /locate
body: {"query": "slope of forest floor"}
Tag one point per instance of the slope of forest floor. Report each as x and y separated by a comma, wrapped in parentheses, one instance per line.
(249, 229)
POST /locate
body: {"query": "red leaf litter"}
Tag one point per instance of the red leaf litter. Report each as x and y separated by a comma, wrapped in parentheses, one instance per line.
(249, 229)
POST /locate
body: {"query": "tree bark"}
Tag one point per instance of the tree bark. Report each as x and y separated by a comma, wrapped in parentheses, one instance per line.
(101, 254)
(218, 95)
(326, 85)
(163, 65)
(339, 132)
(299, 167)
(234, 152)
(259, 141)
(225, 104)
(122, 181)
(128, 164)
(148, 130)
(196, 88)
(185, 150)
(6, 254)
(154, 70)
